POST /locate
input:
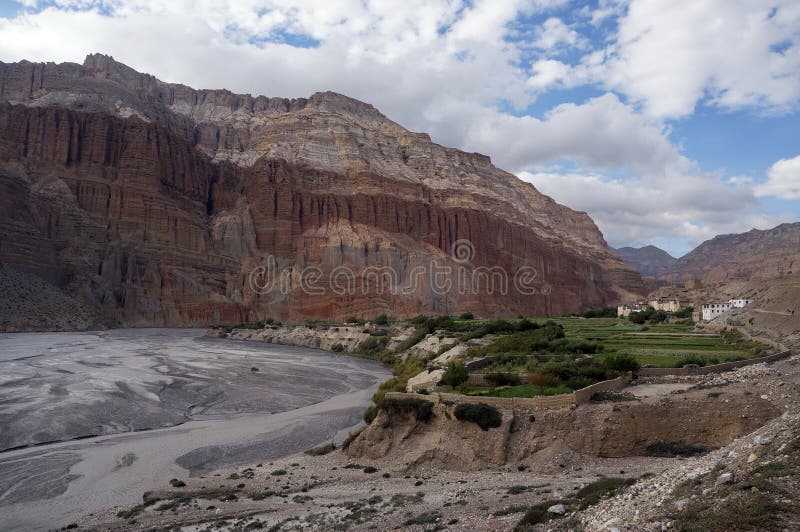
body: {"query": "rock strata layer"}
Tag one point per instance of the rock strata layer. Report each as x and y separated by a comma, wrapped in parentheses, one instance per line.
(158, 204)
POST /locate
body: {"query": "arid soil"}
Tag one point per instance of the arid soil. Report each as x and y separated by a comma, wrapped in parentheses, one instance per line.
(448, 474)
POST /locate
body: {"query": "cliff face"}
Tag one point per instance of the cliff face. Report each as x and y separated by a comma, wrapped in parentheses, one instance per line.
(162, 205)
(751, 256)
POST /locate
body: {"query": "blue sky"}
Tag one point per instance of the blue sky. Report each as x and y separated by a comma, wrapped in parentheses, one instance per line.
(668, 122)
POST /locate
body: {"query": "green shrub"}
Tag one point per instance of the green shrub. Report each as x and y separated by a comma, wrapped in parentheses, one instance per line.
(352, 319)
(467, 316)
(485, 416)
(322, 450)
(455, 373)
(370, 470)
(421, 408)
(591, 494)
(382, 319)
(337, 348)
(605, 312)
(370, 413)
(621, 362)
(499, 378)
(690, 359)
(672, 449)
(423, 519)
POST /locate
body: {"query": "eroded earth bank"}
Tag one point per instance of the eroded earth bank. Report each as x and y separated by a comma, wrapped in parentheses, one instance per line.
(669, 453)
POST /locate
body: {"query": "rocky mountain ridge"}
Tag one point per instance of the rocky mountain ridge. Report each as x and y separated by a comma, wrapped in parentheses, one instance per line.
(754, 255)
(155, 202)
(649, 261)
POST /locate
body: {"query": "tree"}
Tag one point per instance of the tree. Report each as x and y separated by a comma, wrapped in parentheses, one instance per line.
(455, 374)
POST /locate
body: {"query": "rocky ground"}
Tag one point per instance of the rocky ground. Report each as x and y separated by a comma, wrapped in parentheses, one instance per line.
(752, 482)
(28, 303)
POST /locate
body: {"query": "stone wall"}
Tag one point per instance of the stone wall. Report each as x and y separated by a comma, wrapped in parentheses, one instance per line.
(584, 395)
(693, 369)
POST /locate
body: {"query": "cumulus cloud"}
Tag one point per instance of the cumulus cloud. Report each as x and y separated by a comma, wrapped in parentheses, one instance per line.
(783, 180)
(734, 53)
(468, 72)
(691, 208)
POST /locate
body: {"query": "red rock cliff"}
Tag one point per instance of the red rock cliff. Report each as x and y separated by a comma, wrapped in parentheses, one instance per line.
(163, 205)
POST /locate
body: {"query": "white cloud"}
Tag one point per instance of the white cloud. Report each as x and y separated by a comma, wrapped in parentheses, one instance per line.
(783, 180)
(443, 66)
(555, 33)
(736, 53)
(691, 208)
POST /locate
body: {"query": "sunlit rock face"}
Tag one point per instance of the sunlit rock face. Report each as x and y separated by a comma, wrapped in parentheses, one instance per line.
(158, 204)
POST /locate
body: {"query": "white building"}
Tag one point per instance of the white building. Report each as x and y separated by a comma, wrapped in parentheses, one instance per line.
(712, 310)
(623, 311)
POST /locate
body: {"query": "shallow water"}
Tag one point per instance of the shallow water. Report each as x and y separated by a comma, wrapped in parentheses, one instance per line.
(153, 404)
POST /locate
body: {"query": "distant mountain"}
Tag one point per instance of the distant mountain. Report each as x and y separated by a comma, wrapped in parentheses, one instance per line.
(754, 255)
(649, 261)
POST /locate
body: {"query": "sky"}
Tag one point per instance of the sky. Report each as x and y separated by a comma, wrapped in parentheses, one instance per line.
(668, 121)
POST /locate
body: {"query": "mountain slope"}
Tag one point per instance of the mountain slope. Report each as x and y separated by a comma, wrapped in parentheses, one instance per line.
(647, 260)
(161, 204)
(754, 255)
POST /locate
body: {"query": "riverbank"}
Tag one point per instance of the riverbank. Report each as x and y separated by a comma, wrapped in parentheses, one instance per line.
(214, 411)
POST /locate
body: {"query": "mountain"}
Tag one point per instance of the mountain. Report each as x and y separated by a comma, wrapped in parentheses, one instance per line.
(159, 204)
(754, 255)
(649, 261)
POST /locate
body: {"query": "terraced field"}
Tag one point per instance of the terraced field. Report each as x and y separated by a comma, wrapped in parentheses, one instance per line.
(661, 345)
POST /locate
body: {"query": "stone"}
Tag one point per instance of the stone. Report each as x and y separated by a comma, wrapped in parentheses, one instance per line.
(762, 440)
(157, 204)
(752, 458)
(725, 478)
(682, 503)
(558, 509)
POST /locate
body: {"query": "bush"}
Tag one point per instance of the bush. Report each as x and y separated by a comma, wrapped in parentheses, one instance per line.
(455, 373)
(421, 408)
(352, 319)
(321, 450)
(664, 449)
(499, 378)
(591, 494)
(383, 319)
(621, 362)
(690, 359)
(483, 415)
(544, 380)
(605, 312)
(467, 316)
(370, 413)
(337, 348)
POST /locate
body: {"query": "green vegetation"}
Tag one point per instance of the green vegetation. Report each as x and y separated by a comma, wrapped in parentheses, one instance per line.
(455, 374)
(321, 450)
(423, 519)
(421, 408)
(337, 348)
(672, 449)
(483, 415)
(650, 315)
(383, 319)
(742, 511)
(605, 312)
(605, 487)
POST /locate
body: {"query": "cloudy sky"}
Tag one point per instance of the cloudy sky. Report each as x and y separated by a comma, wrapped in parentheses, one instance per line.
(668, 121)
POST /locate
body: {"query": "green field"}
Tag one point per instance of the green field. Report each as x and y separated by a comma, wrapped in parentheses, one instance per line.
(661, 345)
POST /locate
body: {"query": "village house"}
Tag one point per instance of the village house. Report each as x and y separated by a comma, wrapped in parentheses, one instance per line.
(623, 311)
(712, 310)
(667, 304)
